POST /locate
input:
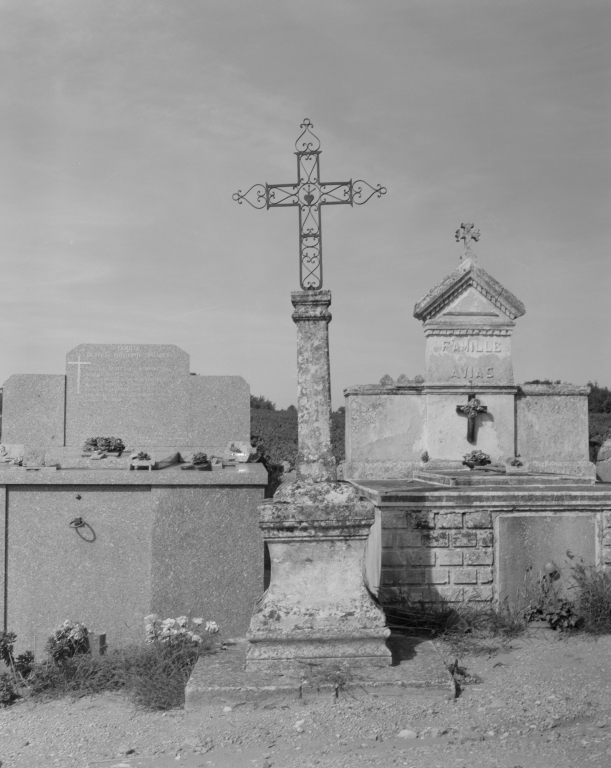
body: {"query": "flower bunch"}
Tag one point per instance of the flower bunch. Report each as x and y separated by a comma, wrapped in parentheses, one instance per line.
(199, 458)
(173, 631)
(477, 457)
(104, 444)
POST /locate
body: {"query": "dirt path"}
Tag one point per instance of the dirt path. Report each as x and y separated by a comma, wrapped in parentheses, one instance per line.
(545, 702)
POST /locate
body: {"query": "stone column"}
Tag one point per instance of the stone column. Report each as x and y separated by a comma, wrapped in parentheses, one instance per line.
(316, 611)
(312, 317)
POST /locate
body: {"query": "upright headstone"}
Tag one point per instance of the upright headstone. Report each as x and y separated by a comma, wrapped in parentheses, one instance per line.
(143, 394)
(138, 392)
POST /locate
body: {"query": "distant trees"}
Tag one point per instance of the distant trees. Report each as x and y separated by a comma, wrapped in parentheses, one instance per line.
(274, 433)
(599, 399)
(259, 402)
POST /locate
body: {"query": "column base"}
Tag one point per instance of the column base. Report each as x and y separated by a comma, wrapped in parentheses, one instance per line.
(317, 610)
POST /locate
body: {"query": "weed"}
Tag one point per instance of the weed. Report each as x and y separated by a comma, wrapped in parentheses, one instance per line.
(440, 615)
(593, 597)
(156, 675)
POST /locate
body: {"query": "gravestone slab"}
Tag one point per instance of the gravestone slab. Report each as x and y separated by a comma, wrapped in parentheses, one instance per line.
(138, 392)
(532, 541)
(33, 409)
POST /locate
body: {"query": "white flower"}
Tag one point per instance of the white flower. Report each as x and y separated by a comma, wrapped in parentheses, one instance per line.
(167, 623)
(182, 621)
(197, 622)
(212, 627)
(151, 618)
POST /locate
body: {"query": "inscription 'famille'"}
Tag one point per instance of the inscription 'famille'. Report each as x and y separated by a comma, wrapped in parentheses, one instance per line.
(471, 345)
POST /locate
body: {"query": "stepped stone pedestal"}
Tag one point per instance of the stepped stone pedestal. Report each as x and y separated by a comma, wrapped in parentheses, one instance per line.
(317, 610)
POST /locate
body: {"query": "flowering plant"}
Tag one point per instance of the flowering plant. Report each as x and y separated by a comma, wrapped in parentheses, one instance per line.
(199, 458)
(174, 631)
(67, 640)
(143, 456)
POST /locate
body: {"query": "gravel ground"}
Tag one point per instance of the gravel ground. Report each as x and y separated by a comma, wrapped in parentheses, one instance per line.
(543, 701)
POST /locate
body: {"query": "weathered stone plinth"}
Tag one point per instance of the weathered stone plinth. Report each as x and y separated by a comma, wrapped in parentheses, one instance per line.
(316, 609)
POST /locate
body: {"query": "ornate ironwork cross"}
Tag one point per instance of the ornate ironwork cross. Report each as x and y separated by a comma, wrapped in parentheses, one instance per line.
(467, 233)
(471, 410)
(309, 193)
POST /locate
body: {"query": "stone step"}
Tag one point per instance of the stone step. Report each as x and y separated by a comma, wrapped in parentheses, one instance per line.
(417, 670)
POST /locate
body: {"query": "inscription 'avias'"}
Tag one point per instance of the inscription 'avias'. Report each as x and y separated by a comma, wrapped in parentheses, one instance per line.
(470, 372)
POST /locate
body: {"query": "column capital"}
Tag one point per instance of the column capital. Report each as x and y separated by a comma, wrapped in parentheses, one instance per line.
(311, 305)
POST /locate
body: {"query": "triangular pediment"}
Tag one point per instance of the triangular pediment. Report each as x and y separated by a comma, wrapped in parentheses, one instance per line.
(469, 294)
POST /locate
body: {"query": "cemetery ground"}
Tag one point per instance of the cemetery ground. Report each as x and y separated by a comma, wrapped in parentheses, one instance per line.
(540, 699)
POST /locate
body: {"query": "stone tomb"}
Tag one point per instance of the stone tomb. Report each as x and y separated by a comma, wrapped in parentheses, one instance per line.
(168, 541)
(474, 535)
(393, 428)
(141, 393)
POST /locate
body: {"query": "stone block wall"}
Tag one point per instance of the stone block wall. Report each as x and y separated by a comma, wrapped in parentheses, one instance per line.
(444, 553)
(451, 552)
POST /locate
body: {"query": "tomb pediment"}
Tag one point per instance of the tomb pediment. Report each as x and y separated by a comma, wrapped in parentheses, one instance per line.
(469, 295)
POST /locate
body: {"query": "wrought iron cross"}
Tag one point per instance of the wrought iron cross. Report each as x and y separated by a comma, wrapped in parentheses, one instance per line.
(309, 193)
(467, 233)
(471, 410)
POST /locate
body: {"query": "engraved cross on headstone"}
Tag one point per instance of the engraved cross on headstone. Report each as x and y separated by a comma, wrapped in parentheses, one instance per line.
(78, 362)
(309, 193)
(471, 410)
(467, 232)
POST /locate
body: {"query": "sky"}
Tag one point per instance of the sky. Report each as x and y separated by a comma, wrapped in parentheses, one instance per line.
(127, 125)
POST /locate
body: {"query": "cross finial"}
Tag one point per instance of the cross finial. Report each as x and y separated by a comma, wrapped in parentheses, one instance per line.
(467, 233)
(309, 194)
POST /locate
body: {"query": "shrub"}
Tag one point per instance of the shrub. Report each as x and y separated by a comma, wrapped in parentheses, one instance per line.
(7, 640)
(7, 689)
(24, 663)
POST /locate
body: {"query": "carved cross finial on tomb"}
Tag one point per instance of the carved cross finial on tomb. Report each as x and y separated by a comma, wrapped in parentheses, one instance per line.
(467, 232)
(471, 411)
